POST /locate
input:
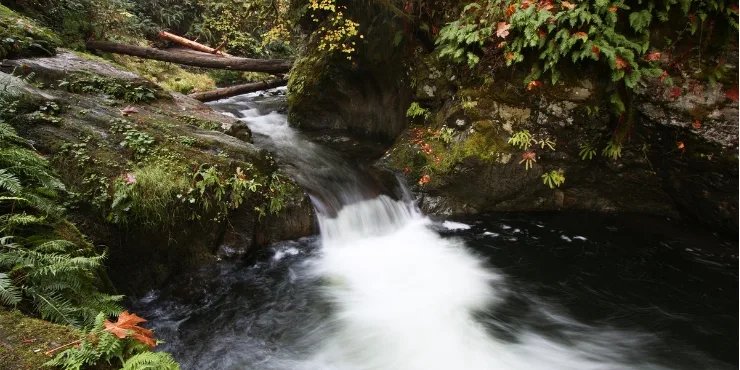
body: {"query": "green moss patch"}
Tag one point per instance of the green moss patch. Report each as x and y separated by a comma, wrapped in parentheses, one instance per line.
(20, 36)
(23, 340)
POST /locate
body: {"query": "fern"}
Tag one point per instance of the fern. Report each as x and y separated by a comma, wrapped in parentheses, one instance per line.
(9, 294)
(58, 280)
(151, 361)
(586, 151)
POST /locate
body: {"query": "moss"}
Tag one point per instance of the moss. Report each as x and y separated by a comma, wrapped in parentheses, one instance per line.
(485, 142)
(23, 340)
(21, 36)
(305, 79)
(169, 76)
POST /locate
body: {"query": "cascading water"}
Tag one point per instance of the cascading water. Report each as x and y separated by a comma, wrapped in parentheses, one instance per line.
(383, 290)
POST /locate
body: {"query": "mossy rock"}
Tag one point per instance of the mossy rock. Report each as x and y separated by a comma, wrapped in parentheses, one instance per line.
(23, 340)
(21, 36)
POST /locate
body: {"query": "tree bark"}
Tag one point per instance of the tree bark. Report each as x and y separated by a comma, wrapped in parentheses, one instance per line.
(191, 44)
(230, 91)
(210, 61)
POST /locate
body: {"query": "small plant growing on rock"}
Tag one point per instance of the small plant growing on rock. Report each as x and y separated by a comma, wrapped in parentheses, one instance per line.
(553, 178)
(521, 139)
(586, 151)
(140, 142)
(415, 111)
(612, 150)
(445, 134)
(528, 158)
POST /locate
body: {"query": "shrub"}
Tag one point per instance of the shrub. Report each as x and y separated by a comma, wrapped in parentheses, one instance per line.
(550, 34)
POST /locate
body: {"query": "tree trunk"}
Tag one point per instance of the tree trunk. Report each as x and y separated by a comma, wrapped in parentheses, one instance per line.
(191, 44)
(237, 90)
(210, 61)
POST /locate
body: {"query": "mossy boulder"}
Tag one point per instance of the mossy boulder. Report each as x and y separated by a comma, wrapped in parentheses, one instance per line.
(366, 94)
(679, 158)
(158, 182)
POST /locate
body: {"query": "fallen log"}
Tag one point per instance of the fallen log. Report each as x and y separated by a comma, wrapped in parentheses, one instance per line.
(226, 92)
(191, 44)
(209, 61)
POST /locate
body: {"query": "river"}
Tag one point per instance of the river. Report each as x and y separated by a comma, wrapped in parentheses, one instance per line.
(385, 287)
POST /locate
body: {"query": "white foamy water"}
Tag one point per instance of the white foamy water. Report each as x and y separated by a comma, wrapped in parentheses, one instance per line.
(408, 299)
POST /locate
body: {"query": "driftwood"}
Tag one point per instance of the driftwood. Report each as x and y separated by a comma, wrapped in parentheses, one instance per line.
(230, 91)
(191, 44)
(205, 61)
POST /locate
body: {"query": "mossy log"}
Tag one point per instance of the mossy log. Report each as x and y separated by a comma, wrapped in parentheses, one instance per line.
(205, 61)
(237, 90)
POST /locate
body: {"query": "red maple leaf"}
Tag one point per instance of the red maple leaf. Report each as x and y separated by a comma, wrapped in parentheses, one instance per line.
(568, 5)
(532, 84)
(732, 94)
(654, 56)
(502, 30)
(580, 34)
(596, 51)
(128, 325)
(675, 92)
(621, 63)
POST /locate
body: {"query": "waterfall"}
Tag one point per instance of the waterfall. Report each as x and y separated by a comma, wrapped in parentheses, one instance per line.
(404, 297)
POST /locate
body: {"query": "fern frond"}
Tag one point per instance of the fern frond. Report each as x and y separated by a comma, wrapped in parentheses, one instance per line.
(151, 361)
(53, 307)
(9, 181)
(10, 295)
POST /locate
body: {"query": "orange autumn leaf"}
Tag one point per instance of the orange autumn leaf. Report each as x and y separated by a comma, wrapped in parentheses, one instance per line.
(509, 55)
(654, 56)
(696, 124)
(580, 34)
(663, 76)
(541, 33)
(568, 5)
(621, 63)
(680, 145)
(501, 44)
(510, 10)
(532, 84)
(596, 51)
(128, 324)
(424, 179)
(613, 9)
